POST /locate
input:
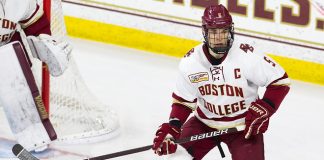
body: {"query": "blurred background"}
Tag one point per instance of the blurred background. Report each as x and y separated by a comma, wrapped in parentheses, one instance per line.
(291, 32)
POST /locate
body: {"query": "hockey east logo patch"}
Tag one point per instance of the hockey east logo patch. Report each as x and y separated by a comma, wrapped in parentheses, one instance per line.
(199, 77)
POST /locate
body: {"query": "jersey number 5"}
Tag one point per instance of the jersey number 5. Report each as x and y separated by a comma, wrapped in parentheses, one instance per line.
(269, 61)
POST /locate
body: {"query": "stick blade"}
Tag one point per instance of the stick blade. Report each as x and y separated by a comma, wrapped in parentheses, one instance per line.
(49, 129)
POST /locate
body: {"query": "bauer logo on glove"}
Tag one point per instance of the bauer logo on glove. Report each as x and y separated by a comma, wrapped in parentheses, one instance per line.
(257, 118)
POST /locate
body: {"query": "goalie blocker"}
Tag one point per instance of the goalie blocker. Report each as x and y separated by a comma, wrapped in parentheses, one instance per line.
(21, 99)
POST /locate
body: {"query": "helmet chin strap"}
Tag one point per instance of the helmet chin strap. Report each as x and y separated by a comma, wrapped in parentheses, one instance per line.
(215, 55)
(217, 52)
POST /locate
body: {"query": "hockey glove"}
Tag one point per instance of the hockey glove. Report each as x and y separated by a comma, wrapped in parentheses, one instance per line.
(257, 118)
(163, 143)
(55, 54)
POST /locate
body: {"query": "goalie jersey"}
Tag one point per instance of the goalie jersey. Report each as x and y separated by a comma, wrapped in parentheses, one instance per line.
(24, 13)
(220, 94)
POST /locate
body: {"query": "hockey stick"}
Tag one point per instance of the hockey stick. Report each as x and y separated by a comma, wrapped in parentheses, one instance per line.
(21, 153)
(179, 141)
(44, 116)
(35, 92)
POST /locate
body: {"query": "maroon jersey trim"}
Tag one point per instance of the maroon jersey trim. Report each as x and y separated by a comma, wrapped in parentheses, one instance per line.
(182, 99)
(26, 20)
(283, 77)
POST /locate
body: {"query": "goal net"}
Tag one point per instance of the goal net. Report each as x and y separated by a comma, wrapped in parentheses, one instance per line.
(77, 115)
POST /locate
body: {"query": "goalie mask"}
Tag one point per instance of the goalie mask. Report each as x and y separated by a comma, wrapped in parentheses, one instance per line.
(218, 29)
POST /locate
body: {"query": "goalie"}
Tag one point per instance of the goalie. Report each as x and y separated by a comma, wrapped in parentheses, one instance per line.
(24, 28)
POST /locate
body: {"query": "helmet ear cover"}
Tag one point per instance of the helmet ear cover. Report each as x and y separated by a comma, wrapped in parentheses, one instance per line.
(218, 17)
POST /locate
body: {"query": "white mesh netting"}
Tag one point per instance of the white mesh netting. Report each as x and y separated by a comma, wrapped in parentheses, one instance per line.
(77, 115)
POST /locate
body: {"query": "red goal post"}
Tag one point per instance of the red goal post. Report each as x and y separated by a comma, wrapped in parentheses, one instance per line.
(45, 73)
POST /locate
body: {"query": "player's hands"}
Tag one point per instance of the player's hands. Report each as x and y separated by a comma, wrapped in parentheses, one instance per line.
(257, 118)
(163, 143)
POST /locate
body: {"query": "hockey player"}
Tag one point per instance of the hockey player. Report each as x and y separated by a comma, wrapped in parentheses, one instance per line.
(25, 31)
(218, 81)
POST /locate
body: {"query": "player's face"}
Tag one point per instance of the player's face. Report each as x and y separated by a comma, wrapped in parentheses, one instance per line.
(217, 37)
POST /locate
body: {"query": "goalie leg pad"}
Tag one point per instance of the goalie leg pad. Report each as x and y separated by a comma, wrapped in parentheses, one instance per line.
(18, 102)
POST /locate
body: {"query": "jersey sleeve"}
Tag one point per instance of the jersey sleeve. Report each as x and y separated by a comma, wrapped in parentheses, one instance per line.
(184, 98)
(263, 70)
(184, 88)
(34, 21)
(30, 14)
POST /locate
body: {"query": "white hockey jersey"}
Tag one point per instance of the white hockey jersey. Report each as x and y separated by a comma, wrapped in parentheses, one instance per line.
(13, 13)
(224, 92)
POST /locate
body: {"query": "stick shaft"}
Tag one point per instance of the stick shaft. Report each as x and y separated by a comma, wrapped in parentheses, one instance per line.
(179, 141)
(35, 92)
(122, 153)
